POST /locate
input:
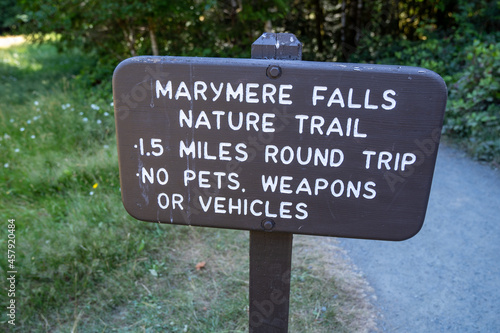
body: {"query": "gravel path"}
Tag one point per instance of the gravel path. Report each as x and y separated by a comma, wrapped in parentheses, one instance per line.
(447, 277)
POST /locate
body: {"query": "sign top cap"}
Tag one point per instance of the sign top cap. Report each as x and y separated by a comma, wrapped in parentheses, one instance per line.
(283, 46)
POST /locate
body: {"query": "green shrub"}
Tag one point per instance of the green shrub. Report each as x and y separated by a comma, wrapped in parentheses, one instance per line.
(473, 111)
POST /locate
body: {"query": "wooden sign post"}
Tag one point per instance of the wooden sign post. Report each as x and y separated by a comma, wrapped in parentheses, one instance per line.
(278, 147)
(271, 252)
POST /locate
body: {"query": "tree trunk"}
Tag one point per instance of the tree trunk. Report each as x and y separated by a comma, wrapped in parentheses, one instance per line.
(320, 20)
(128, 34)
(152, 37)
(359, 21)
(343, 22)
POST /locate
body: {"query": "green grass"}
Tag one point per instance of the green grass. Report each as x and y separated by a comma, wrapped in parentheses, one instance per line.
(83, 264)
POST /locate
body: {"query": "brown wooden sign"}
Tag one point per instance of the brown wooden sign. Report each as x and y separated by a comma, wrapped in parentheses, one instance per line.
(332, 149)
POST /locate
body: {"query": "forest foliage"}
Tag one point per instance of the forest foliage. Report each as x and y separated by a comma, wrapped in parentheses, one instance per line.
(455, 38)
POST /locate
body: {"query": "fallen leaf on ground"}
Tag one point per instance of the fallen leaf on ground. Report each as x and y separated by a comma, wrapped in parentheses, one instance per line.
(200, 265)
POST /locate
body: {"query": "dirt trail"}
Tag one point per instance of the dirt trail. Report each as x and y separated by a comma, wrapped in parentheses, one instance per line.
(8, 41)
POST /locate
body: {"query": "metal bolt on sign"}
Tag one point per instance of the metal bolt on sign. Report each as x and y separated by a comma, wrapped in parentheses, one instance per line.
(273, 72)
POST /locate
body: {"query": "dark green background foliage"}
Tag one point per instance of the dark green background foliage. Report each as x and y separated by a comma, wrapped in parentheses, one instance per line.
(9, 15)
(330, 30)
(455, 38)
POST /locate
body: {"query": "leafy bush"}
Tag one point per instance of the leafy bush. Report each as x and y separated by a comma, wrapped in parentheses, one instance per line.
(474, 101)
